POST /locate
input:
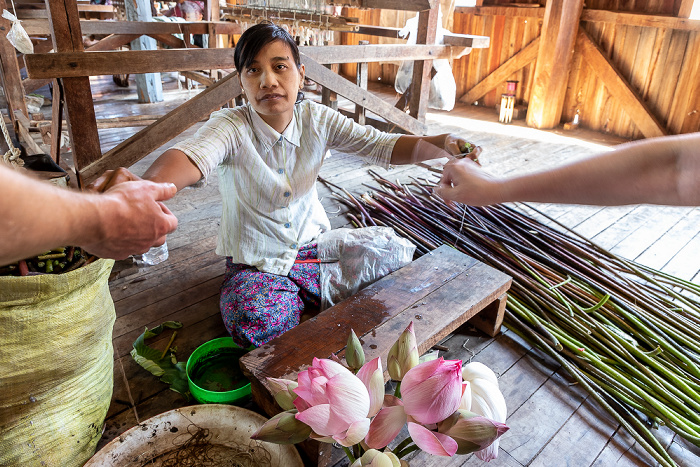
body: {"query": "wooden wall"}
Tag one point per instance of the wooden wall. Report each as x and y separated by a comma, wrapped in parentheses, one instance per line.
(661, 64)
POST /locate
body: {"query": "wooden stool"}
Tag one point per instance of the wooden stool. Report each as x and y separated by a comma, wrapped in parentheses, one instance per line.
(438, 292)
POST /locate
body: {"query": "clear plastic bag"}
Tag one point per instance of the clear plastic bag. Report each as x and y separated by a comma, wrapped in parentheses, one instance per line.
(17, 36)
(358, 257)
(443, 88)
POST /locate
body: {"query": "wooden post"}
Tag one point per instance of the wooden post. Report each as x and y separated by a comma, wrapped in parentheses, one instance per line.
(561, 20)
(420, 83)
(80, 112)
(149, 86)
(362, 69)
(328, 97)
(9, 69)
(56, 120)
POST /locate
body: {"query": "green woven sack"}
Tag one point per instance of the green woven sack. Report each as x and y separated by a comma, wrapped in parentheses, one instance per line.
(55, 365)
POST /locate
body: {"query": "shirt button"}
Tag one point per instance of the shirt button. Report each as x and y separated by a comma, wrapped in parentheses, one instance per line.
(293, 246)
(288, 225)
(287, 194)
(280, 171)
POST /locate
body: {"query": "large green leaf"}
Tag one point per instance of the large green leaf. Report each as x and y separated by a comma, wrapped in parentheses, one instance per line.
(168, 368)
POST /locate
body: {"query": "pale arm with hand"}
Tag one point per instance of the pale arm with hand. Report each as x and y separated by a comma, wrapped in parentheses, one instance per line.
(36, 216)
(663, 170)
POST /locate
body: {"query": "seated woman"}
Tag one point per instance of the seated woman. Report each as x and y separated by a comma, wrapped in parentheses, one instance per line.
(268, 154)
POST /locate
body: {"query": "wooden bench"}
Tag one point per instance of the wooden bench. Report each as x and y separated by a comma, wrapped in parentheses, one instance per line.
(438, 292)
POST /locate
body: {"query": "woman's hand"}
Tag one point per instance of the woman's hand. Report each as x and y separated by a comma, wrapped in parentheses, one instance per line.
(112, 178)
(464, 181)
(458, 146)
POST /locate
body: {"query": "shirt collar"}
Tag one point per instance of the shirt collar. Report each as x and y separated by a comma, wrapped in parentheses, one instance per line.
(268, 136)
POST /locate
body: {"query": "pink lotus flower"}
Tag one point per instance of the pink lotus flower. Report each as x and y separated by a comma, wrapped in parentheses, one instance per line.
(372, 376)
(431, 391)
(333, 402)
(283, 428)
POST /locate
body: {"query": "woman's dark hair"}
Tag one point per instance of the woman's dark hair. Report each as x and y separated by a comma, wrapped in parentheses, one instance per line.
(255, 38)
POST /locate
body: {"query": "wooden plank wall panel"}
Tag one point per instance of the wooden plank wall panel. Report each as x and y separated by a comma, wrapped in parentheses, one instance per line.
(661, 65)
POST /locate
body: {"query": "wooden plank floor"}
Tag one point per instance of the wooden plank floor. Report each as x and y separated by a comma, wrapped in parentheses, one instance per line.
(552, 421)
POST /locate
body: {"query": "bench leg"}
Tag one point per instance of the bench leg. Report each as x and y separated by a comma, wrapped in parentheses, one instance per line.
(489, 319)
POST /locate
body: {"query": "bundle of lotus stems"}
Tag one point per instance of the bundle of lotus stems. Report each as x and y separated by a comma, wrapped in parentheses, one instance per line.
(628, 334)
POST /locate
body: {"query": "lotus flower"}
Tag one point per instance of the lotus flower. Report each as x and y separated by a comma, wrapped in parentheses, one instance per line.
(432, 391)
(372, 376)
(354, 354)
(333, 402)
(486, 400)
(283, 392)
(472, 432)
(403, 355)
(283, 428)
(387, 424)
(374, 458)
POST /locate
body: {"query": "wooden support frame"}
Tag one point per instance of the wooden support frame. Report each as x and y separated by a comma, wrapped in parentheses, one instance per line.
(74, 64)
(10, 70)
(420, 82)
(618, 86)
(598, 16)
(67, 37)
(527, 55)
(554, 57)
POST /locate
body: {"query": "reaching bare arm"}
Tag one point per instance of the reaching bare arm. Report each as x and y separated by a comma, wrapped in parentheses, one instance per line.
(405, 151)
(126, 219)
(655, 171)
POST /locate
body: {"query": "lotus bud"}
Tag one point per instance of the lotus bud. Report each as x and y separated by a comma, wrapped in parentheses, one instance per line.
(374, 458)
(471, 431)
(283, 392)
(283, 428)
(354, 355)
(403, 355)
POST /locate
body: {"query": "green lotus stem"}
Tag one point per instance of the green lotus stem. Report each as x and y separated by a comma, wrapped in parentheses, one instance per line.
(402, 445)
(407, 451)
(655, 449)
(348, 453)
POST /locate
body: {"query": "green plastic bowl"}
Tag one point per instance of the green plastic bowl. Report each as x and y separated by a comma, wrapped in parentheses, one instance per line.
(214, 375)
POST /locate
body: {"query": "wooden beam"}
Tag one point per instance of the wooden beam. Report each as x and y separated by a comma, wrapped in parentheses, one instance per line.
(10, 71)
(637, 19)
(198, 77)
(80, 111)
(460, 40)
(112, 42)
(336, 83)
(510, 11)
(420, 81)
(556, 50)
(518, 61)
(598, 16)
(72, 64)
(39, 27)
(387, 52)
(620, 89)
(403, 5)
(165, 128)
(170, 40)
(683, 8)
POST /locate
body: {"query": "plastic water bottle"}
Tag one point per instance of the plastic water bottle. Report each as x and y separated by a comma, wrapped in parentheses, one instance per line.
(155, 255)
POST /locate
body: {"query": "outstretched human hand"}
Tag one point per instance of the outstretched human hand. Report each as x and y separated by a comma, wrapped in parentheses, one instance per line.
(464, 181)
(132, 218)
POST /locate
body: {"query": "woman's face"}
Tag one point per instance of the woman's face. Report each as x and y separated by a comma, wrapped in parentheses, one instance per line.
(271, 84)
